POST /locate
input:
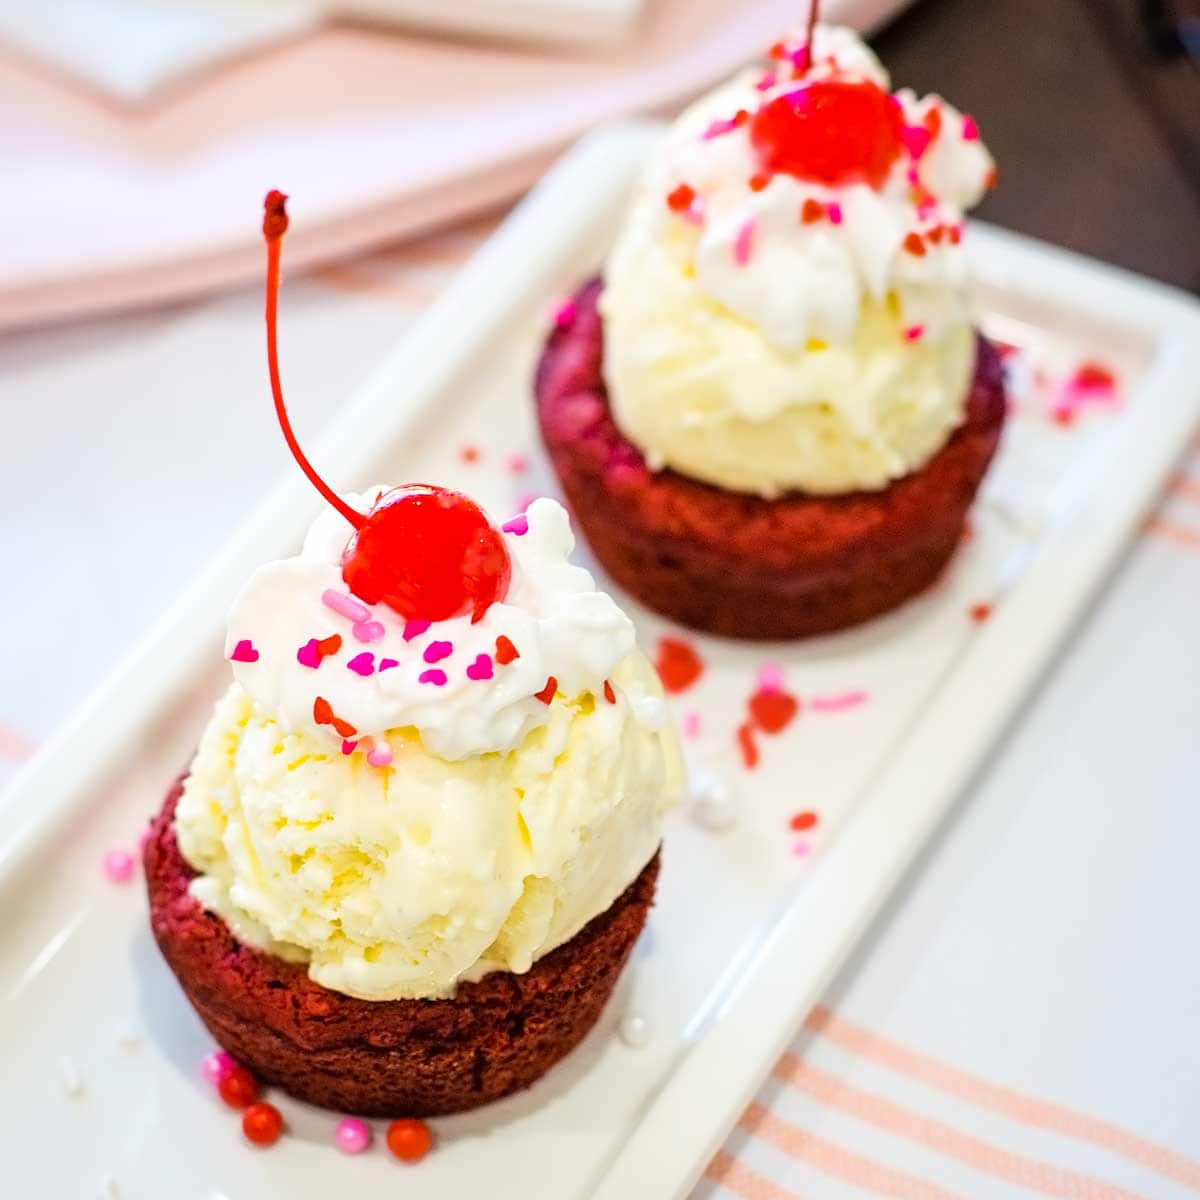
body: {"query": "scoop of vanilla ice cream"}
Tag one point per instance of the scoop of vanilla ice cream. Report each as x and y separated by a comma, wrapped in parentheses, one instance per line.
(402, 881)
(749, 348)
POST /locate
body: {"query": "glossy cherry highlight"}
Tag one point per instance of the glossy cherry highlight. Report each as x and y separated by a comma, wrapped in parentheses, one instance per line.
(831, 131)
(426, 552)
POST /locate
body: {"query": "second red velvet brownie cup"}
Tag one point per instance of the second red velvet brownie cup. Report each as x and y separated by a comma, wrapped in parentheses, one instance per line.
(420, 835)
(773, 413)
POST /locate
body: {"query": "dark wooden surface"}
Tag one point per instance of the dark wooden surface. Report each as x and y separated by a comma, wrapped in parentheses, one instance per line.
(1098, 145)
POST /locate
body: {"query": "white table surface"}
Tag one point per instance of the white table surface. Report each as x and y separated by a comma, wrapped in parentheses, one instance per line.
(1023, 1022)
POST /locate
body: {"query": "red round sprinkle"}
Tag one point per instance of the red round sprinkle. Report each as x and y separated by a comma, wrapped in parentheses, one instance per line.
(833, 131)
(778, 50)
(773, 711)
(802, 821)
(758, 182)
(409, 1140)
(936, 234)
(1094, 375)
(682, 198)
(955, 235)
(812, 211)
(239, 1088)
(678, 664)
(262, 1124)
(980, 612)
(914, 245)
(740, 118)
(428, 553)
(469, 454)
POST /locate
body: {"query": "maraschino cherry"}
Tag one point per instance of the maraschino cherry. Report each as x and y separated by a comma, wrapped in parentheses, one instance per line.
(426, 552)
(831, 131)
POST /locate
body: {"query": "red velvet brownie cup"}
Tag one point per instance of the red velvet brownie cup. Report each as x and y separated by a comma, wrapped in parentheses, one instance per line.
(773, 414)
(420, 835)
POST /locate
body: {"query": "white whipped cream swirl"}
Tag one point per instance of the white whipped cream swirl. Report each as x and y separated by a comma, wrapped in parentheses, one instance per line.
(447, 680)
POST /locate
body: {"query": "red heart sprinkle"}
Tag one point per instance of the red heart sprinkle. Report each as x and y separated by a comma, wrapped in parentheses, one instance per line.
(812, 211)
(323, 714)
(772, 712)
(329, 645)
(547, 693)
(505, 651)
(678, 664)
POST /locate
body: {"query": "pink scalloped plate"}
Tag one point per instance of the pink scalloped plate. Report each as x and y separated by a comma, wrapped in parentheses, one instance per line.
(376, 136)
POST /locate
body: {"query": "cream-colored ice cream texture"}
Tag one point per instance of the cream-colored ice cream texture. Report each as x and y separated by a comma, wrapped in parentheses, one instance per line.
(482, 844)
(753, 349)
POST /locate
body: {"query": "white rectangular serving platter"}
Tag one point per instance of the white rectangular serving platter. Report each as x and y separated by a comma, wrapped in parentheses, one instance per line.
(101, 1093)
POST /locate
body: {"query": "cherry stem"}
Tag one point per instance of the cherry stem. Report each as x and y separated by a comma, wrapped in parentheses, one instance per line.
(813, 7)
(275, 223)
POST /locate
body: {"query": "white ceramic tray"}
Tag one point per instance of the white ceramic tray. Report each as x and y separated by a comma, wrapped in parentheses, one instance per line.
(101, 1092)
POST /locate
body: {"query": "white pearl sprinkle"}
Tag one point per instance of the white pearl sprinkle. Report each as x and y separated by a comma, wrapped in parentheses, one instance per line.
(69, 1077)
(651, 712)
(634, 1030)
(713, 806)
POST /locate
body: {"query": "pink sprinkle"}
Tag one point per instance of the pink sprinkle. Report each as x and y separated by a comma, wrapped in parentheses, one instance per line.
(244, 651)
(349, 747)
(767, 82)
(436, 651)
(801, 849)
(694, 214)
(564, 315)
(913, 176)
(833, 210)
(380, 755)
(691, 724)
(916, 139)
(344, 605)
(362, 664)
(118, 866)
(217, 1066)
(743, 245)
(308, 655)
(970, 130)
(914, 332)
(770, 678)
(481, 668)
(517, 464)
(434, 676)
(718, 128)
(367, 631)
(386, 664)
(414, 629)
(352, 1136)
(518, 526)
(837, 703)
